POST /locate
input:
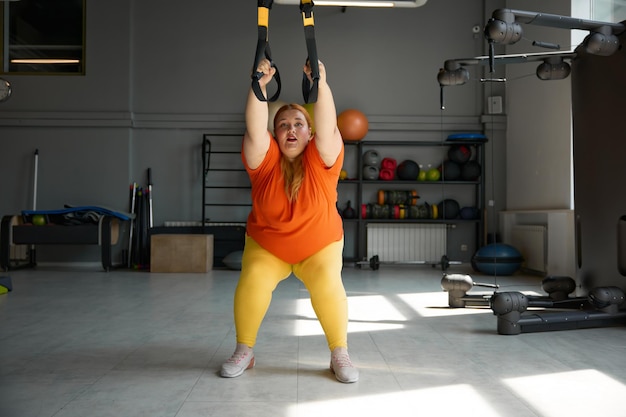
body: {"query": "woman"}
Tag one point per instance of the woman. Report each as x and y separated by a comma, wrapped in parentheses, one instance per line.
(294, 226)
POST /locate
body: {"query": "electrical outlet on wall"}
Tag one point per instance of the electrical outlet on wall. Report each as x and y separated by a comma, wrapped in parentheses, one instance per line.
(494, 105)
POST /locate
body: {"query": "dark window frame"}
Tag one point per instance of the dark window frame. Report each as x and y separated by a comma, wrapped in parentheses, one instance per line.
(34, 35)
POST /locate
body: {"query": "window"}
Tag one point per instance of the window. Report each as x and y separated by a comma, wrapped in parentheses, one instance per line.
(608, 10)
(43, 36)
(612, 11)
(603, 10)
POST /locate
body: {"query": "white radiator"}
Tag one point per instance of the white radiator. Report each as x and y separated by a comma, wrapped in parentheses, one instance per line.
(560, 249)
(530, 240)
(18, 252)
(406, 242)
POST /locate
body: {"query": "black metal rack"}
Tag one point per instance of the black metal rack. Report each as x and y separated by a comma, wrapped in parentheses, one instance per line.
(214, 190)
(359, 228)
(226, 187)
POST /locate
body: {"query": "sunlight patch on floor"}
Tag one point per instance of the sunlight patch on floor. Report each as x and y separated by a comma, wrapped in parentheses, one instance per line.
(360, 308)
(435, 304)
(578, 393)
(313, 328)
(373, 308)
(366, 314)
(449, 401)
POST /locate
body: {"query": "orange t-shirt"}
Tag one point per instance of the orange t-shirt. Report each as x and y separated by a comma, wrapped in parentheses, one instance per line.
(294, 231)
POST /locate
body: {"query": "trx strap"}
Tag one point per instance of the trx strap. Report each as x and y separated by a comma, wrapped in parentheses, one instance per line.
(309, 90)
(263, 50)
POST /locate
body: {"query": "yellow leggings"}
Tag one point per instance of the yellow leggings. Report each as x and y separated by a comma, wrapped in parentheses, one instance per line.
(261, 273)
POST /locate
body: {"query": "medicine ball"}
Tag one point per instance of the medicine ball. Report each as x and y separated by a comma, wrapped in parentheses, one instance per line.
(352, 124)
(348, 212)
(233, 260)
(408, 170)
(389, 163)
(386, 174)
(370, 172)
(469, 213)
(449, 209)
(459, 153)
(371, 158)
(471, 171)
(450, 171)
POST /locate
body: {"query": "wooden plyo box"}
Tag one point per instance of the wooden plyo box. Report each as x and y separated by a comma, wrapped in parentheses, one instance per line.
(181, 253)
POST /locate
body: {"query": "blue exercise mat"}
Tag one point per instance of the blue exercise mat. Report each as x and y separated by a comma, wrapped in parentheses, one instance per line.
(84, 209)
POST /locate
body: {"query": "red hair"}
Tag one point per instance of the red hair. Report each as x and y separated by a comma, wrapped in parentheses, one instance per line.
(294, 106)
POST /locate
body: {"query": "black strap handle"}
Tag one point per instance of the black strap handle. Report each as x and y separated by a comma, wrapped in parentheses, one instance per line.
(263, 50)
(309, 89)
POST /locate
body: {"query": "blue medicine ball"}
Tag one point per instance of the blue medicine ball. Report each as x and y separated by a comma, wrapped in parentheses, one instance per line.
(469, 213)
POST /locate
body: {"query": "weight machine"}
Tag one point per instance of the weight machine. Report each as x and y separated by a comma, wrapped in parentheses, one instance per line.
(597, 67)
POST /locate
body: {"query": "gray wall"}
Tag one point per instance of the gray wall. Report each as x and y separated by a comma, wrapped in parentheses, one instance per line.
(599, 125)
(160, 74)
(539, 135)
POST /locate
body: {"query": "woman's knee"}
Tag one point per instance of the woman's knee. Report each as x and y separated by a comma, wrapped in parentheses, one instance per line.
(255, 278)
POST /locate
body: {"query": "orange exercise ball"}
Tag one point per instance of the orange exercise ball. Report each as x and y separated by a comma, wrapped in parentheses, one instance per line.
(352, 124)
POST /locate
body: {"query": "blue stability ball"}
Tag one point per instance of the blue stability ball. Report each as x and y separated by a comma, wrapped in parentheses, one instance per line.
(497, 259)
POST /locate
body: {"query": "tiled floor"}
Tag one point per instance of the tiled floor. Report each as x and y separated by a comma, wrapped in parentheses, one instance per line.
(81, 342)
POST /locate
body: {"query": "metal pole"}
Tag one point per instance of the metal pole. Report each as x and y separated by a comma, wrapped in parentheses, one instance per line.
(35, 180)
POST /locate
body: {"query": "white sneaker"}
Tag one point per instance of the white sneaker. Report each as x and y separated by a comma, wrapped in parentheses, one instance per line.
(342, 367)
(242, 359)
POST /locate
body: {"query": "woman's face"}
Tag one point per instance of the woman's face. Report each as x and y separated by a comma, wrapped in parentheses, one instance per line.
(292, 132)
